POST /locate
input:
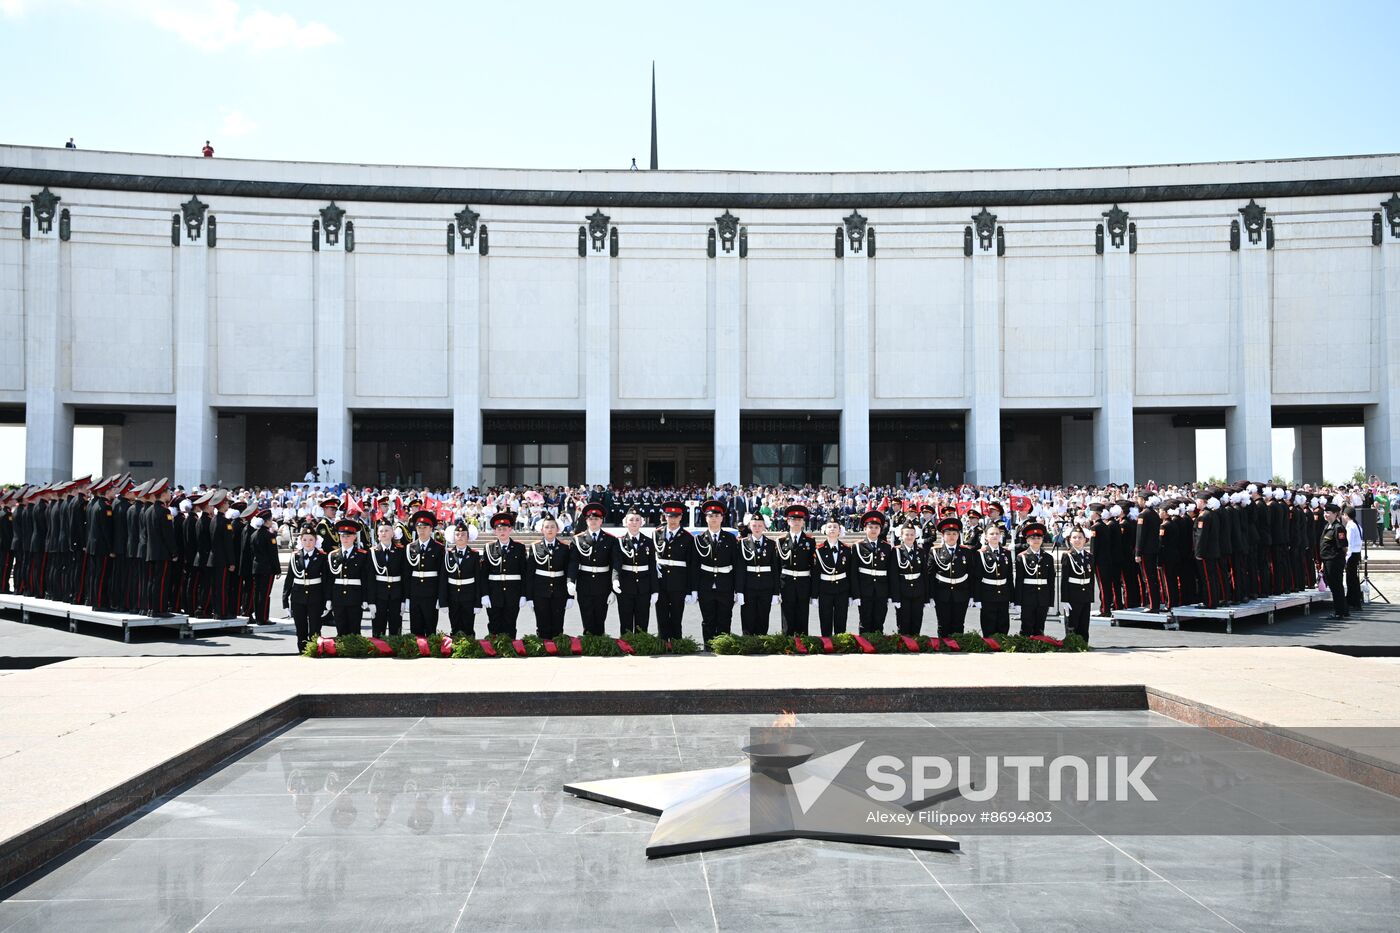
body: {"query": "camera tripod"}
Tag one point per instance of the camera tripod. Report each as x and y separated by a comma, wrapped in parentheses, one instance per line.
(1376, 594)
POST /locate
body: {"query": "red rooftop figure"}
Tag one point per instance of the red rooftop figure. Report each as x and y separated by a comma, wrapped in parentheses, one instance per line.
(208, 150)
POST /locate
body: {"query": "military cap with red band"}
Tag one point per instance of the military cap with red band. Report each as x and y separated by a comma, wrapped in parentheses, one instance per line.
(500, 519)
(347, 526)
(424, 517)
(594, 510)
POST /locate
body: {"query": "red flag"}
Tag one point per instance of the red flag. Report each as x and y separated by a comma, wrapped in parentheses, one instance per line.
(1020, 503)
(352, 505)
(962, 506)
(430, 503)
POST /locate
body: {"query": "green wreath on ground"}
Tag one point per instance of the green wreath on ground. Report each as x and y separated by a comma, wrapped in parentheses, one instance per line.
(458, 645)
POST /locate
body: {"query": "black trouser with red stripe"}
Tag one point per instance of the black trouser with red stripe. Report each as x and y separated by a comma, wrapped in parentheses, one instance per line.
(1150, 581)
(99, 581)
(1107, 600)
(1212, 582)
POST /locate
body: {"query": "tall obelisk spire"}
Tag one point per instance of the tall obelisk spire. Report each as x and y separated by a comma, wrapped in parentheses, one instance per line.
(653, 115)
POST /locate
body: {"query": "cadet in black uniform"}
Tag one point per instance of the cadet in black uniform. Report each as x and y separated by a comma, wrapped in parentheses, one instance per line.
(349, 579)
(908, 582)
(161, 549)
(1035, 580)
(461, 585)
(267, 564)
(546, 580)
(1332, 547)
(503, 594)
(1077, 585)
(675, 570)
(1105, 565)
(424, 559)
(834, 584)
(717, 553)
(386, 592)
(590, 570)
(634, 575)
(871, 560)
(949, 567)
(992, 570)
(1147, 551)
(795, 571)
(756, 582)
(100, 546)
(304, 589)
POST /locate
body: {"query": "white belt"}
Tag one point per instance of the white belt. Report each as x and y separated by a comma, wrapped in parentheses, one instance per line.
(591, 569)
(636, 568)
(503, 577)
(467, 582)
(423, 574)
(754, 568)
(1082, 581)
(796, 573)
(990, 582)
(724, 569)
(873, 573)
(307, 582)
(832, 577)
(1029, 582)
(340, 581)
(667, 562)
(954, 581)
(911, 576)
(549, 573)
(383, 579)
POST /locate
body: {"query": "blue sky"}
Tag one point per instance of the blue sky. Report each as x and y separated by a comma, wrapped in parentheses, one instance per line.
(810, 86)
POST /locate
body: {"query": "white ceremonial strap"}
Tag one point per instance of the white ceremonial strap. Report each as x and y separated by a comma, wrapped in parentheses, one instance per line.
(503, 577)
(952, 580)
(667, 562)
(991, 582)
(873, 573)
(1082, 581)
(636, 568)
(467, 582)
(833, 577)
(1031, 582)
(549, 573)
(307, 581)
(911, 576)
(383, 579)
(591, 569)
(423, 574)
(345, 581)
(797, 573)
(724, 569)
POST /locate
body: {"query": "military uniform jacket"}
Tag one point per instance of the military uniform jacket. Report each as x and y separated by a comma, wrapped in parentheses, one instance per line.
(950, 575)
(795, 565)
(461, 583)
(1035, 579)
(1203, 537)
(120, 509)
(871, 561)
(717, 563)
(262, 546)
(757, 569)
(590, 563)
(832, 569)
(548, 570)
(675, 561)
(1333, 543)
(228, 537)
(306, 581)
(136, 531)
(1149, 539)
(1077, 577)
(992, 572)
(389, 567)
(634, 565)
(908, 582)
(350, 576)
(204, 539)
(160, 533)
(423, 569)
(504, 571)
(100, 528)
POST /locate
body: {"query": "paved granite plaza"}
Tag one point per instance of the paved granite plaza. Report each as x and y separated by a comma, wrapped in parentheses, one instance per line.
(460, 824)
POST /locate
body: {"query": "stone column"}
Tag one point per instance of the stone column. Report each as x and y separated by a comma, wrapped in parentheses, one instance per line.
(1113, 422)
(982, 310)
(196, 423)
(597, 366)
(855, 355)
(48, 423)
(1249, 449)
(1307, 454)
(464, 283)
(729, 301)
(1383, 418)
(333, 336)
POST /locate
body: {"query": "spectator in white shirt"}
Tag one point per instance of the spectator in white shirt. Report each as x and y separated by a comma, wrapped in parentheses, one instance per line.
(1353, 558)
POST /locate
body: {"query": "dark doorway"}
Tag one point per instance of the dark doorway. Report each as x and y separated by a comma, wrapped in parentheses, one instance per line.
(402, 449)
(661, 473)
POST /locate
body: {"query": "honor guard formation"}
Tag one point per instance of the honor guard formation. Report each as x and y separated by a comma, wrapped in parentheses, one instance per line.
(118, 545)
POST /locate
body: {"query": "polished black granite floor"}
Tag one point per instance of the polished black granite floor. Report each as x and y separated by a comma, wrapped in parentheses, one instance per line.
(460, 824)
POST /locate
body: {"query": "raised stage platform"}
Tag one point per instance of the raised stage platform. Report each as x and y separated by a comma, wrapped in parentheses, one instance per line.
(1264, 608)
(35, 611)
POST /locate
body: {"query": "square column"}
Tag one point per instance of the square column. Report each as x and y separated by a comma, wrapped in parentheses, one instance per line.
(464, 276)
(48, 423)
(1307, 454)
(729, 298)
(1383, 418)
(333, 423)
(1113, 422)
(982, 309)
(597, 367)
(855, 367)
(195, 421)
(1249, 448)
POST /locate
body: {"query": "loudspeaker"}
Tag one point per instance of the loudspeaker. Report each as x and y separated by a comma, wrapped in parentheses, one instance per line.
(1369, 520)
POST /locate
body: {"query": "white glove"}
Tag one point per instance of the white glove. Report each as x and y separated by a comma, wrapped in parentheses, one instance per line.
(814, 602)
(896, 605)
(477, 609)
(398, 533)
(617, 587)
(611, 599)
(776, 599)
(654, 597)
(572, 588)
(568, 604)
(691, 597)
(856, 602)
(486, 602)
(739, 598)
(523, 601)
(976, 604)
